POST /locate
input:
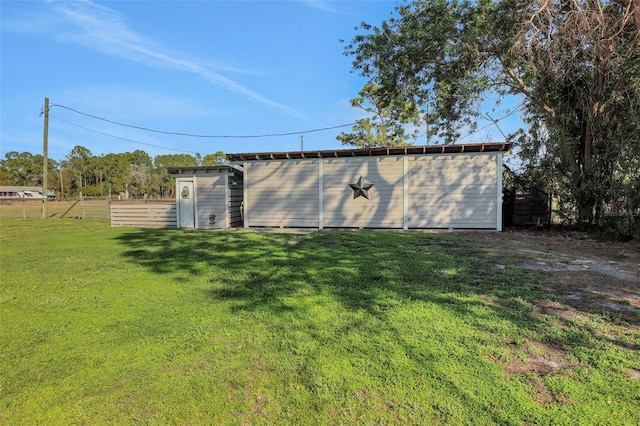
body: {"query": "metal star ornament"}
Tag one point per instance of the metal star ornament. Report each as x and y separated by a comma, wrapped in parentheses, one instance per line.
(361, 188)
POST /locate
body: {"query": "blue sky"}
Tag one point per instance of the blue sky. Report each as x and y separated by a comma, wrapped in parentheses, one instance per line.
(227, 68)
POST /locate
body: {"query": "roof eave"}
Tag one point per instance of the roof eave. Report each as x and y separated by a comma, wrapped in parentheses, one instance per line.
(406, 150)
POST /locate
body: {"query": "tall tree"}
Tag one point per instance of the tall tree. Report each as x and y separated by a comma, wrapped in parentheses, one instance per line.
(22, 168)
(78, 164)
(140, 172)
(4, 177)
(116, 173)
(386, 125)
(164, 182)
(25, 169)
(216, 159)
(575, 63)
(174, 160)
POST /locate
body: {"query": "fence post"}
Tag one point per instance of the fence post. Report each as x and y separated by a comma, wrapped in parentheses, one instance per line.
(24, 208)
(82, 214)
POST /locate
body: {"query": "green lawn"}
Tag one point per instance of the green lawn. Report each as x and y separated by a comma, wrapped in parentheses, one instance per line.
(121, 325)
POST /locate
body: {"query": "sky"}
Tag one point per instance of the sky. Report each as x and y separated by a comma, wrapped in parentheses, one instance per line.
(209, 68)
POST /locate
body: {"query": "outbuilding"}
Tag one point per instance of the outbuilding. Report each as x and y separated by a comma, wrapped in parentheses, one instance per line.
(208, 197)
(416, 187)
(24, 192)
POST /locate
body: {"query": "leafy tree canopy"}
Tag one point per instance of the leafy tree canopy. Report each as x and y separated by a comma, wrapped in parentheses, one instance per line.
(386, 127)
(575, 63)
(174, 160)
(216, 159)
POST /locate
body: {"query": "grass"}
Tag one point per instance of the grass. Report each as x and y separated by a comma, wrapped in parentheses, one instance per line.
(120, 325)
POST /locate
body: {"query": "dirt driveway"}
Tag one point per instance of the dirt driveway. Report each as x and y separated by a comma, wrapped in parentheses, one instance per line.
(588, 271)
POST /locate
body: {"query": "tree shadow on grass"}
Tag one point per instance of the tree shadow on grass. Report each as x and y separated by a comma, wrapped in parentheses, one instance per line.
(242, 262)
(367, 273)
(364, 271)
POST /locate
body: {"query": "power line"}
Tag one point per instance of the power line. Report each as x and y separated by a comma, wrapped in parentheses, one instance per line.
(147, 129)
(121, 138)
(515, 109)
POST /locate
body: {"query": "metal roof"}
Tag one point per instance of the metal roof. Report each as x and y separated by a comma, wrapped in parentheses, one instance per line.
(404, 150)
(14, 188)
(193, 169)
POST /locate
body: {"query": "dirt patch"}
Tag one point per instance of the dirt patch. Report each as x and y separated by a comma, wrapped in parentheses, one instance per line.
(589, 272)
(542, 360)
(536, 362)
(631, 372)
(586, 275)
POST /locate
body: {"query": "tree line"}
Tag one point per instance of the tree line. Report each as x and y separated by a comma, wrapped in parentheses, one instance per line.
(134, 174)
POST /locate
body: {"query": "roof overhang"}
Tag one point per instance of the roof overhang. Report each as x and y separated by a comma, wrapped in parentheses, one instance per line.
(366, 152)
(190, 170)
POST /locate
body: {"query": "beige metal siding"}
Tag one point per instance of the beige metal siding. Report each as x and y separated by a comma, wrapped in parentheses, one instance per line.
(460, 190)
(210, 193)
(143, 215)
(453, 191)
(282, 193)
(383, 209)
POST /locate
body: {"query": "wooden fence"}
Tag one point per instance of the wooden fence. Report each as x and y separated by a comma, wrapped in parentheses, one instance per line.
(144, 214)
(532, 208)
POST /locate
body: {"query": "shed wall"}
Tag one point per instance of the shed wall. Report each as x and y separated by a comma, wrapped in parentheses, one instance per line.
(460, 190)
(218, 196)
(211, 202)
(282, 193)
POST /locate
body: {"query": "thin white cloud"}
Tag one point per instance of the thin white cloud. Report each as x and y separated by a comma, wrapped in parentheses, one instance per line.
(105, 30)
(324, 6)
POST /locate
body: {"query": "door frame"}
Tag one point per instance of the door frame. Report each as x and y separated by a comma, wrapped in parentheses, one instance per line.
(179, 185)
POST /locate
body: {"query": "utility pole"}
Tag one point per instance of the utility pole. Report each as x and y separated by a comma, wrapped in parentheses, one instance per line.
(45, 160)
(302, 142)
(61, 183)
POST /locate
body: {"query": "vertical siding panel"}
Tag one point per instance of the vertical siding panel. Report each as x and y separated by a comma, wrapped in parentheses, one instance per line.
(499, 191)
(453, 191)
(383, 209)
(195, 200)
(405, 193)
(321, 194)
(284, 193)
(211, 199)
(245, 193)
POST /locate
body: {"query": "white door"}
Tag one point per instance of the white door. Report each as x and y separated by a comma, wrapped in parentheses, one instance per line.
(186, 206)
